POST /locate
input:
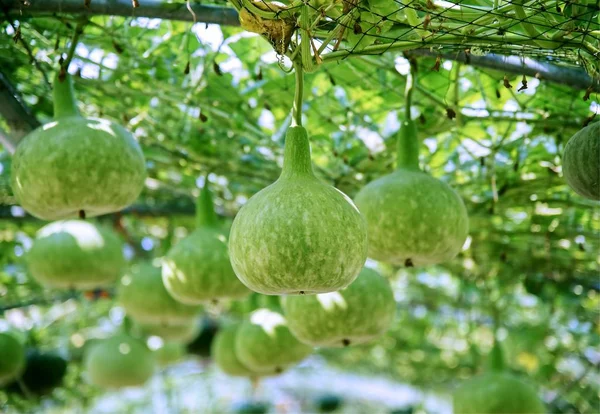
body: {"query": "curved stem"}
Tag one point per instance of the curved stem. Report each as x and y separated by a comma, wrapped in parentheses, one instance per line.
(74, 40)
(298, 95)
(408, 91)
(408, 140)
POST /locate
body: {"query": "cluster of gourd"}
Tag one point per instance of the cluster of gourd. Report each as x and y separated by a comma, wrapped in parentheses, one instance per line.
(299, 238)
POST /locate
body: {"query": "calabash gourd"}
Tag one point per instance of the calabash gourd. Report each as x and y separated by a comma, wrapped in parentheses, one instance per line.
(12, 358)
(413, 219)
(581, 162)
(119, 361)
(265, 345)
(224, 355)
(298, 235)
(169, 353)
(74, 166)
(354, 315)
(178, 332)
(76, 254)
(497, 392)
(198, 268)
(144, 297)
(44, 372)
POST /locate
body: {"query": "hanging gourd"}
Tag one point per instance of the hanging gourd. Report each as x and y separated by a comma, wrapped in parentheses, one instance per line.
(144, 297)
(581, 162)
(173, 332)
(224, 355)
(12, 358)
(265, 345)
(198, 268)
(413, 219)
(119, 361)
(76, 254)
(354, 315)
(75, 166)
(497, 392)
(169, 353)
(298, 235)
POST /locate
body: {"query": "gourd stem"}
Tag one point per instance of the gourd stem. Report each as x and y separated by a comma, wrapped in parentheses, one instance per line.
(74, 40)
(408, 142)
(205, 210)
(296, 157)
(298, 95)
(64, 97)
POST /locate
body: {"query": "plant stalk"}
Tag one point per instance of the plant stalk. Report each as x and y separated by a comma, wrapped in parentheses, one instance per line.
(298, 95)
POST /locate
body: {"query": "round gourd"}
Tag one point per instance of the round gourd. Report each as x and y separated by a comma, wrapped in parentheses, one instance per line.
(144, 297)
(497, 393)
(119, 361)
(265, 345)
(76, 254)
(298, 235)
(169, 353)
(198, 268)
(43, 373)
(413, 219)
(581, 162)
(354, 315)
(12, 358)
(223, 353)
(75, 166)
(180, 332)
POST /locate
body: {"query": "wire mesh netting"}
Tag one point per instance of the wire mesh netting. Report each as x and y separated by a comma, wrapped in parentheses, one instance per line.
(559, 31)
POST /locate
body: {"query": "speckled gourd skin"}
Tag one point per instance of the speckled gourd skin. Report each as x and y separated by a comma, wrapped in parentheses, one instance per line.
(354, 315)
(144, 297)
(265, 345)
(198, 269)
(413, 219)
(89, 255)
(497, 393)
(76, 164)
(119, 361)
(178, 332)
(224, 355)
(298, 235)
(12, 358)
(581, 162)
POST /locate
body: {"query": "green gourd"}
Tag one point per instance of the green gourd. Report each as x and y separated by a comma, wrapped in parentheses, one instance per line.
(265, 345)
(74, 166)
(144, 297)
(180, 332)
(169, 353)
(224, 355)
(76, 254)
(44, 372)
(298, 235)
(198, 268)
(12, 358)
(413, 219)
(581, 162)
(119, 361)
(497, 392)
(354, 315)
